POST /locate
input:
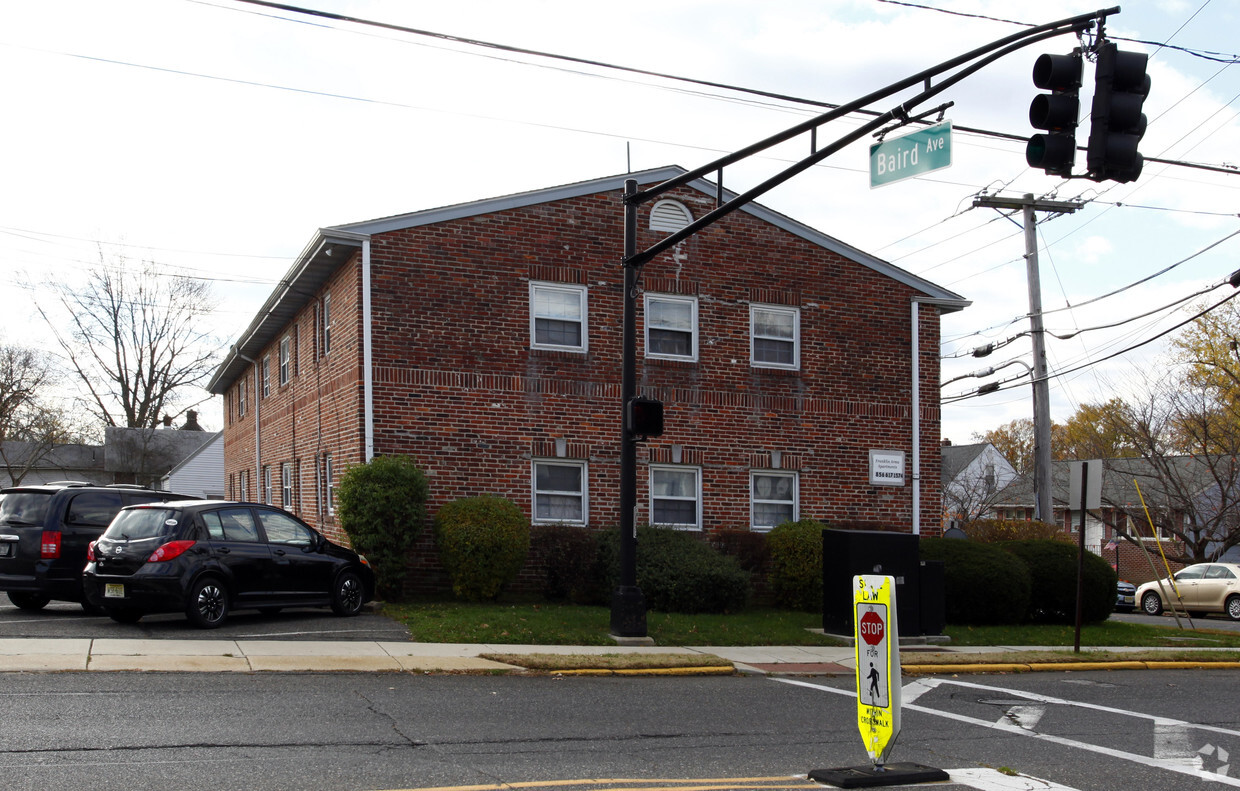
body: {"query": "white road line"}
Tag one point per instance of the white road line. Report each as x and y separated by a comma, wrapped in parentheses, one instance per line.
(1143, 760)
(994, 780)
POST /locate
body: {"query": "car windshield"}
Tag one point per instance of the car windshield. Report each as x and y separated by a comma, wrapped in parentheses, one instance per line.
(24, 508)
(142, 523)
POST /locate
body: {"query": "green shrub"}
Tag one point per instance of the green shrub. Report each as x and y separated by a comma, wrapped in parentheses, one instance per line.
(796, 564)
(381, 506)
(677, 572)
(983, 584)
(749, 548)
(994, 530)
(1052, 566)
(567, 552)
(483, 543)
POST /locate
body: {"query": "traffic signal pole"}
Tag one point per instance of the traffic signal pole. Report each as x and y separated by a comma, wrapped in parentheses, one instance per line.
(628, 616)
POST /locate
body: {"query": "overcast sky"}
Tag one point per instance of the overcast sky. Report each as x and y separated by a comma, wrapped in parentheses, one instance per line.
(214, 137)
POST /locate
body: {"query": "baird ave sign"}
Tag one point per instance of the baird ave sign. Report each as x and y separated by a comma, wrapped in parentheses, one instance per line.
(912, 155)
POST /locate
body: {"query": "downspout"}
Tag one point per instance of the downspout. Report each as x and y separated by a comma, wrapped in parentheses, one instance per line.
(368, 398)
(916, 354)
(257, 427)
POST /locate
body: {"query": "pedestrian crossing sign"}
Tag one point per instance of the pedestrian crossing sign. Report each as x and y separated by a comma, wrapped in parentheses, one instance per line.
(878, 664)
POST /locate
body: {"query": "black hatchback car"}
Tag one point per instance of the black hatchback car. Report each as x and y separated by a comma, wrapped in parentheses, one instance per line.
(45, 529)
(208, 557)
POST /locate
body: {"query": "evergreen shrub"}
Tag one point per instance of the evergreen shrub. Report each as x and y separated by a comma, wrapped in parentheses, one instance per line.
(1052, 566)
(677, 572)
(381, 506)
(984, 585)
(796, 564)
(567, 553)
(483, 542)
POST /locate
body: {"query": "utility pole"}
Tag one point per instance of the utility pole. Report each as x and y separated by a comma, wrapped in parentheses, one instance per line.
(1041, 388)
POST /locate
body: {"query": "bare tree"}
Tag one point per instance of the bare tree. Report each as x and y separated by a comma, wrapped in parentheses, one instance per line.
(30, 424)
(135, 340)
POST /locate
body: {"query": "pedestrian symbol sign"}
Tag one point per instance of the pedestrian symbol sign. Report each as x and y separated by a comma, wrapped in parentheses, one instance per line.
(878, 664)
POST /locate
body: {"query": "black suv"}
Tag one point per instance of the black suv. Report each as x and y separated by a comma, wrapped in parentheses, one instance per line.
(209, 557)
(45, 530)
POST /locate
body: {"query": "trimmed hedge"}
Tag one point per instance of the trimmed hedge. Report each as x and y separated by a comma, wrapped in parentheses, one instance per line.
(1052, 567)
(483, 543)
(676, 571)
(995, 530)
(796, 564)
(984, 585)
(381, 506)
(568, 553)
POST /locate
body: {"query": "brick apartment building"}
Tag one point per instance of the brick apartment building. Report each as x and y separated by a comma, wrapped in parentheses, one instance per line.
(483, 339)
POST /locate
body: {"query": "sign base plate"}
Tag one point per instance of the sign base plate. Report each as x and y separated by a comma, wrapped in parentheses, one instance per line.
(888, 775)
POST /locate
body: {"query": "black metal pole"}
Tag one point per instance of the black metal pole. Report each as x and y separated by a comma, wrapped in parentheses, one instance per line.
(628, 605)
(1080, 556)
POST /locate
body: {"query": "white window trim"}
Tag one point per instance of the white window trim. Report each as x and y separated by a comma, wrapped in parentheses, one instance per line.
(585, 491)
(697, 498)
(796, 337)
(582, 295)
(692, 356)
(753, 496)
(286, 486)
(267, 484)
(329, 486)
(326, 325)
(265, 365)
(285, 360)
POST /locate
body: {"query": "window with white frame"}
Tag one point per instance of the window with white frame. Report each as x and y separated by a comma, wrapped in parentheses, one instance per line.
(675, 497)
(775, 336)
(329, 485)
(245, 485)
(560, 491)
(671, 327)
(285, 344)
(267, 484)
(286, 486)
(266, 371)
(558, 317)
(241, 398)
(772, 498)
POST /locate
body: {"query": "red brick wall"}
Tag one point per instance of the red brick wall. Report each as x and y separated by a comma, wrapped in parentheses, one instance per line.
(457, 386)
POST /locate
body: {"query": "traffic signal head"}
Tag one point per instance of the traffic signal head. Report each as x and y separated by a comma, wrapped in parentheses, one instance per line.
(1116, 121)
(1056, 112)
(645, 417)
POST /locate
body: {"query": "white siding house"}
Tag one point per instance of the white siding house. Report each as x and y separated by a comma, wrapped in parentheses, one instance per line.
(201, 473)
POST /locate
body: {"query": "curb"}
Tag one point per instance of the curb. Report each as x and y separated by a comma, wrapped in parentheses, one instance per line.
(727, 670)
(1014, 667)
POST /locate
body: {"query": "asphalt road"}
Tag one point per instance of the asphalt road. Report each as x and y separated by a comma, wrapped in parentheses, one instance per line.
(1211, 621)
(64, 619)
(1092, 731)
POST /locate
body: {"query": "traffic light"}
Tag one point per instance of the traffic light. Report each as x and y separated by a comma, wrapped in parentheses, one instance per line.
(645, 417)
(1117, 123)
(1056, 112)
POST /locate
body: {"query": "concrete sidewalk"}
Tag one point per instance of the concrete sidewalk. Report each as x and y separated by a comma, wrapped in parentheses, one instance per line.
(59, 655)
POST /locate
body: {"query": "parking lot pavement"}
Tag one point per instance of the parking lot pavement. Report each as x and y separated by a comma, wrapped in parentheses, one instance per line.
(65, 620)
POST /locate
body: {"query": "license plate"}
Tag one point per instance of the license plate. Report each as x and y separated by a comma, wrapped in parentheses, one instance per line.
(6, 549)
(114, 590)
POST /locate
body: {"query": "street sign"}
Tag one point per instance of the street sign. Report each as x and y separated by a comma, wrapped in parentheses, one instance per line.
(913, 154)
(878, 664)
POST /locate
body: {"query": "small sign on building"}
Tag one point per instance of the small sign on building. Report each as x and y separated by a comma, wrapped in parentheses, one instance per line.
(886, 468)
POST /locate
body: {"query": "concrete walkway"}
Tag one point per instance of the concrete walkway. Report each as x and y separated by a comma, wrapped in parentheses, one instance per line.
(58, 655)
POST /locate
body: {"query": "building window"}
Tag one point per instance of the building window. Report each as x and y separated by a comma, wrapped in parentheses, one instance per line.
(558, 317)
(560, 492)
(267, 484)
(329, 486)
(266, 372)
(285, 353)
(286, 486)
(775, 337)
(241, 388)
(675, 495)
(671, 327)
(772, 498)
(245, 485)
(296, 351)
(327, 324)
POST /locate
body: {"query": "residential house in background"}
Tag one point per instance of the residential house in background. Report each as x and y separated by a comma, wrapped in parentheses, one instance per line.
(201, 473)
(973, 477)
(484, 340)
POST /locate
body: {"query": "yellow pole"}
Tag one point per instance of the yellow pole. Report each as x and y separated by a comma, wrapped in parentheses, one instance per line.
(1158, 543)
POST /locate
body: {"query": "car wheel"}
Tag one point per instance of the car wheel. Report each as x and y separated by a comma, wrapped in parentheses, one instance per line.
(1233, 607)
(1151, 604)
(207, 604)
(29, 601)
(125, 616)
(348, 594)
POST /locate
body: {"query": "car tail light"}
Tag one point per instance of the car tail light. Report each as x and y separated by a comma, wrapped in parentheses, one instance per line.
(90, 552)
(49, 545)
(173, 549)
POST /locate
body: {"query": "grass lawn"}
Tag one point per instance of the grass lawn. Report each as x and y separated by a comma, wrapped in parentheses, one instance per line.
(550, 623)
